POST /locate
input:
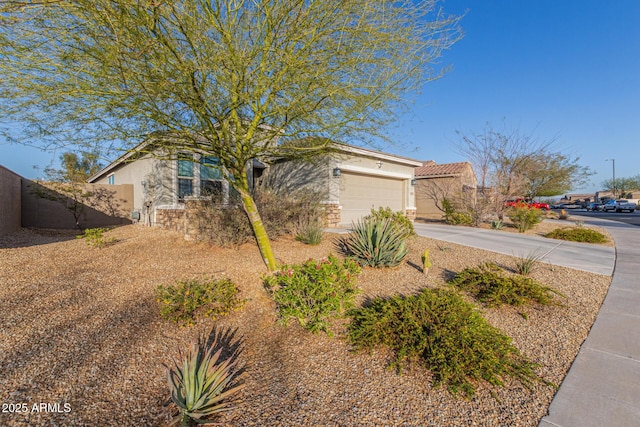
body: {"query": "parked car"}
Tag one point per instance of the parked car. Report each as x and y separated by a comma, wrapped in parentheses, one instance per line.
(567, 205)
(593, 206)
(619, 206)
(519, 202)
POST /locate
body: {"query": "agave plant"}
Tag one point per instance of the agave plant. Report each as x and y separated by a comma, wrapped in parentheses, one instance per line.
(200, 386)
(376, 242)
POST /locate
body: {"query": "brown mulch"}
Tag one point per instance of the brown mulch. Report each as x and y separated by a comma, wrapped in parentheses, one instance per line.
(80, 326)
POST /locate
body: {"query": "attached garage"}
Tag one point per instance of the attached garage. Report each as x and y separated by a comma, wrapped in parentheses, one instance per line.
(359, 193)
(350, 181)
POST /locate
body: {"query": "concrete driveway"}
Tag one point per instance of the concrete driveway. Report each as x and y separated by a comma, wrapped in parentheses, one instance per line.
(581, 256)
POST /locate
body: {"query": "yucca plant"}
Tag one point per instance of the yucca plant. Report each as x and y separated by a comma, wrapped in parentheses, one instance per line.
(200, 385)
(525, 264)
(376, 242)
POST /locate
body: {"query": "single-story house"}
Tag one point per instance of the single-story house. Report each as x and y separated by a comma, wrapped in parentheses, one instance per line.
(351, 181)
(435, 182)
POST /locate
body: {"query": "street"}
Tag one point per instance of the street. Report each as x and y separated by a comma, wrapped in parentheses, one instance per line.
(626, 217)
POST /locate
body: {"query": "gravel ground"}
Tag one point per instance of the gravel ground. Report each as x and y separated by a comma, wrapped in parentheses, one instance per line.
(79, 326)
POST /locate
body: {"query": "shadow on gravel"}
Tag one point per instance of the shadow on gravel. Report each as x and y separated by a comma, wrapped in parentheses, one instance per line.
(35, 237)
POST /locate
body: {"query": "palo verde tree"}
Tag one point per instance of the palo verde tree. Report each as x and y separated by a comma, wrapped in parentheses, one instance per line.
(511, 163)
(233, 79)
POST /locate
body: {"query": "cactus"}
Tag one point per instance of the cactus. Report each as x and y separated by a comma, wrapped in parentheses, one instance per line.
(426, 262)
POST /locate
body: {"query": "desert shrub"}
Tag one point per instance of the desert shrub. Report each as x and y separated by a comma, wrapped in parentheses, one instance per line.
(287, 213)
(314, 292)
(375, 243)
(310, 234)
(189, 299)
(447, 334)
(492, 286)
(203, 384)
(228, 225)
(397, 218)
(453, 216)
(524, 217)
(580, 234)
(95, 237)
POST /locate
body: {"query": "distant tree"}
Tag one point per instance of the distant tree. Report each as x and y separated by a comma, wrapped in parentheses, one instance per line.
(551, 173)
(510, 163)
(231, 79)
(622, 186)
(74, 169)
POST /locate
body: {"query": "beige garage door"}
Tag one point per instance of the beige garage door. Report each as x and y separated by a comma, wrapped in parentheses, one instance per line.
(361, 193)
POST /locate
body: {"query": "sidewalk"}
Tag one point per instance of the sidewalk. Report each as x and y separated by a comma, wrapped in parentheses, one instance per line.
(602, 387)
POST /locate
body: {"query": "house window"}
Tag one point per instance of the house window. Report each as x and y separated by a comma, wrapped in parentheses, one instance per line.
(185, 176)
(211, 179)
(111, 179)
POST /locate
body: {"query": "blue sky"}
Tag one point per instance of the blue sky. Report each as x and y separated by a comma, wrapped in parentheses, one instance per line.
(563, 69)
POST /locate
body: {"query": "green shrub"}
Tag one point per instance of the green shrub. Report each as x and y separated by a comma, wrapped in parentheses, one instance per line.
(490, 285)
(202, 384)
(95, 237)
(524, 217)
(310, 234)
(398, 218)
(314, 292)
(580, 234)
(188, 299)
(453, 216)
(375, 243)
(438, 328)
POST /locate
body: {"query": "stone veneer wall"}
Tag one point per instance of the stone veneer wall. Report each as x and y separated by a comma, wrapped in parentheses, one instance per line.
(410, 213)
(331, 215)
(171, 219)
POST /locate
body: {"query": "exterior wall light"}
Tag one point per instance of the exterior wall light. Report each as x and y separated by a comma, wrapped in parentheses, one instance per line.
(337, 172)
(414, 181)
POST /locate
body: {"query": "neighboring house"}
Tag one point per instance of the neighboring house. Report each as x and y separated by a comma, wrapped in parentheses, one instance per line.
(351, 181)
(434, 182)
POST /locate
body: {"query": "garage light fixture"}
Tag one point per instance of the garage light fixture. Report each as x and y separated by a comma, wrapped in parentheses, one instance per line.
(414, 181)
(336, 172)
(379, 163)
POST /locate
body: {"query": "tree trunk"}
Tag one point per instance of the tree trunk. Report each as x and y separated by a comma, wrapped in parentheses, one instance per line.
(260, 233)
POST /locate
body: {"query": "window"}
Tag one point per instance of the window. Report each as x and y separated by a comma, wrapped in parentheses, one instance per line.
(185, 176)
(211, 180)
(111, 179)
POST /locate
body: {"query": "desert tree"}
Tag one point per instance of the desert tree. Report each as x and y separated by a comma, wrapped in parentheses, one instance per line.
(232, 79)
(510, 163)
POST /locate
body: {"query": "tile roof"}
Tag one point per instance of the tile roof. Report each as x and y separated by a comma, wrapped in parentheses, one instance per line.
(430, 168)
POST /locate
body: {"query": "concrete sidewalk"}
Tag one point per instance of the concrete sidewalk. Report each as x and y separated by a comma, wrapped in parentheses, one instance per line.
(581, 256)
(602, 387)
